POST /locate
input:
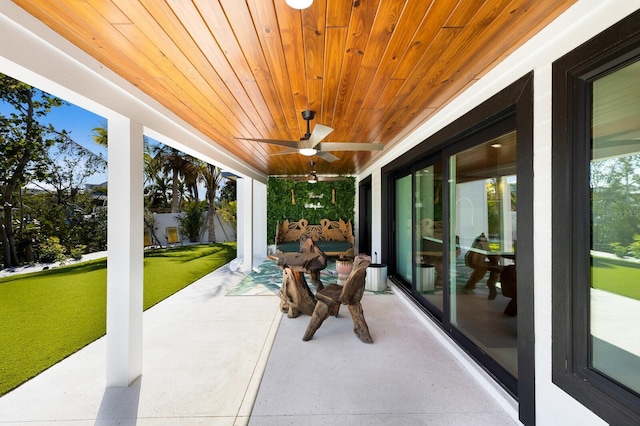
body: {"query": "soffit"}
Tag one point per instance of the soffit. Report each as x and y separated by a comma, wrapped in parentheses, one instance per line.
(373, 70)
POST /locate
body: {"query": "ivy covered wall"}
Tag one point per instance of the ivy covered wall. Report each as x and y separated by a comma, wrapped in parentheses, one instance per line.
(288, 199)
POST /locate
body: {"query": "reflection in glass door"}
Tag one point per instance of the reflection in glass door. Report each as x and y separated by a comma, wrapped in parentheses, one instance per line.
(428, 236)
(482, 202)
(614, 308)
(403, 227)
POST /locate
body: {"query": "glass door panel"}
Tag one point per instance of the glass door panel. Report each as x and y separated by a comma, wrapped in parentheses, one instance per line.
(428, 235)
(614, 310)
(403, 227)
(483, 195)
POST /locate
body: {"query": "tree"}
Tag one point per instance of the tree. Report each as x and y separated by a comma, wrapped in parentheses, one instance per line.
(77, 223)
(228, 191)
(192, 220)
(192, 172)
(615, 184)
(173, 162)
(157, 193)
(211, 175)
(69, 166)
(24, 143)
(229, 213)
(100, 135)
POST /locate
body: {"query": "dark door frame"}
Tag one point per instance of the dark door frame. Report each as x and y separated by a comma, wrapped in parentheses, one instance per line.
(517, 100)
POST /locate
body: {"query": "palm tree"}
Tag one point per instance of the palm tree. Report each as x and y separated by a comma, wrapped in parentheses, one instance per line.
(99, 135)
(172, 162)
(157, 192)
(211, 176)
(192, 174)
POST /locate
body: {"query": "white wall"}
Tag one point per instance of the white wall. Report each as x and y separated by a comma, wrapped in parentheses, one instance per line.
(161, 221)
(584, 20)
(259, 221)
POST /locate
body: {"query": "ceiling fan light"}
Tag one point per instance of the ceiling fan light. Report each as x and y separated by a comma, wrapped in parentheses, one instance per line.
(299, 4)
(308, 152)
(312, 179)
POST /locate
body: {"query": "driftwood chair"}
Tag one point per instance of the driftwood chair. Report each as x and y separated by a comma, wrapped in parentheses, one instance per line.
(295, 294)
(331, 297)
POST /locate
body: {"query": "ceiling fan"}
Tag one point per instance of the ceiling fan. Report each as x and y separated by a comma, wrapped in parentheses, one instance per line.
(311, 143)
(313, 177)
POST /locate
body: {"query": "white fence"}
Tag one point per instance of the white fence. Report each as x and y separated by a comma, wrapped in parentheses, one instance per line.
(167, 230)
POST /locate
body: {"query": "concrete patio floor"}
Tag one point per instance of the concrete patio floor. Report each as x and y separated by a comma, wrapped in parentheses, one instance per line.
(212, 359)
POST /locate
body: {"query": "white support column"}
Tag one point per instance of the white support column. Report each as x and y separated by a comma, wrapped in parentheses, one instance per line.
(259, 220)
(247, 221)
(239, 218)
(125, 252)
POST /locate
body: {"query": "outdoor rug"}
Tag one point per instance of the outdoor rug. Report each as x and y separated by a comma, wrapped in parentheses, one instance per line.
(266, 279)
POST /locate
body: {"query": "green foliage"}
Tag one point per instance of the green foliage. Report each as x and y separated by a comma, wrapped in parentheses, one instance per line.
(282, 192)
(192, 220)
(46, 316)
(26, 139)
(228, 191)
(75, 221)
(615, 204)
(634, 247)
(618, 249)
(229, 213)
(78, 251)
(50, 250)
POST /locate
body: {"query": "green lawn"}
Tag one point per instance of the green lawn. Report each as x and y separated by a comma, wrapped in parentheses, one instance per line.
(46, 316)
(616, 276)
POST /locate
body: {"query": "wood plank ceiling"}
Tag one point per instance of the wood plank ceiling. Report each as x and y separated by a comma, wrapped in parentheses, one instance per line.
(373, 70)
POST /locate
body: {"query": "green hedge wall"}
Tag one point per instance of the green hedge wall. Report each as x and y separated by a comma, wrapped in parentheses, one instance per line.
(280, 207)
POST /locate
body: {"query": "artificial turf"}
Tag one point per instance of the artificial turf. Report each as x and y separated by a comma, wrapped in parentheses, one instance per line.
(617, 276)
(47, 316)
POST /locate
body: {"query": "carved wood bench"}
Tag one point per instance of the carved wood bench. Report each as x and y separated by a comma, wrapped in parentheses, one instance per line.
(333, 237)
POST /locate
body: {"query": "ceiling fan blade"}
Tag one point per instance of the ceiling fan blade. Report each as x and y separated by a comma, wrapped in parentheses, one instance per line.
(299, 178)
(327, 156)
(350, 146)
(288, 144)
(296, 178)
(319, 132)
(331, 178)
(285, 151)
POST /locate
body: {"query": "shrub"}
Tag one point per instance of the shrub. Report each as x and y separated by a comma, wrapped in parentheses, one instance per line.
(50, 250)
(78, 251)
(634, 248)
(228, 212)
(192, 220)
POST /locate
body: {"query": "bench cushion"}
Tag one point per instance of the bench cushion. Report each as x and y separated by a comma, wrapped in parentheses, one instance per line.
(326, 246)
(334, 246)
(290, 247)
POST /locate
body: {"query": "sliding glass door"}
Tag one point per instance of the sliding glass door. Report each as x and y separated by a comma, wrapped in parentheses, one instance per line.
(472, 289)
(428, 280)
(403, 225)
(482, 218)
(460, 235)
